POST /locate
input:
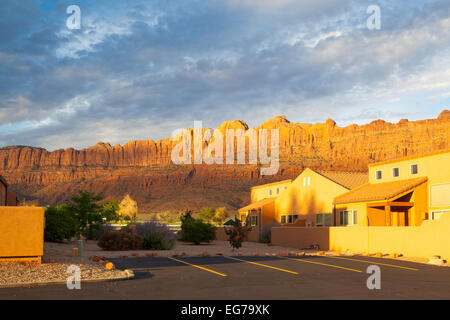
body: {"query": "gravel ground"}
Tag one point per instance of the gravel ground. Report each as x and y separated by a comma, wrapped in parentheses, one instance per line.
(20, 273)
(58, 250)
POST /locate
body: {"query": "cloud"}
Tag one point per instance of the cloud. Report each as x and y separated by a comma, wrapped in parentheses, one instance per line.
(141, 69)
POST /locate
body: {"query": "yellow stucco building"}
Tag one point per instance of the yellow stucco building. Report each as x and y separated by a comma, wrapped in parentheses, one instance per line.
(402, 192)
(306, 201)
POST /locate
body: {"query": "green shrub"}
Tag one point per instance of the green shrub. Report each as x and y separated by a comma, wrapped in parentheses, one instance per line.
(195, 230)
(156, 236)
(95, 231)
(60, 224)
(124, 239)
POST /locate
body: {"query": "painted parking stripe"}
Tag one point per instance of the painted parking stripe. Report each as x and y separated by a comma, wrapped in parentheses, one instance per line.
(323, 264)
(261, 265)
(196, 266)
(375, 262)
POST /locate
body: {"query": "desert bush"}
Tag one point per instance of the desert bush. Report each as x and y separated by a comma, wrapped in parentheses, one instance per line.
(60, 224)
(96, 231)
(237, 233)
(125, 239)
(265, 236)
(156, 236)
(195, 230)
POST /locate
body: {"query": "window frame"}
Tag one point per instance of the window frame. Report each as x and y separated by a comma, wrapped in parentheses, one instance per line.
(416, 167)
(253, 221)
(376, 174)
(394, 170)
(327, 219)
(352, 217)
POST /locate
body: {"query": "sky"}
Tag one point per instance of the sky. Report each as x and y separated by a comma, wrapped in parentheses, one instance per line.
(141, 69)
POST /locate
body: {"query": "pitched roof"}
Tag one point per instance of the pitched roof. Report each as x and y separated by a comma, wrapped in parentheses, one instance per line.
(379, 191)
(349, 180)
(257, 204)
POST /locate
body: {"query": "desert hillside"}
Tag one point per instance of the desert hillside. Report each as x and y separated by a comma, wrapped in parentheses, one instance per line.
(144, 169)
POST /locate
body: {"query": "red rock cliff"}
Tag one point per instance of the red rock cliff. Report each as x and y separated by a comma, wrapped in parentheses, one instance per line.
(144, 168)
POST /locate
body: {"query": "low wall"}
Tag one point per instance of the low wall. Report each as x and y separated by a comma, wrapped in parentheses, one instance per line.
(429, 239)
(253, 235)
(21, 233)
(300, 237)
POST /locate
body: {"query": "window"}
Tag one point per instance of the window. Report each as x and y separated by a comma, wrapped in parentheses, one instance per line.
(285, 187)
(414, 169)
(378, 175)
(278, 190)
(324, 219)
(253, 220)
(309, 181)
(348, 218)
(289, 218)
(304, 182)
(270, 192)
(395, 172)
(434, 215)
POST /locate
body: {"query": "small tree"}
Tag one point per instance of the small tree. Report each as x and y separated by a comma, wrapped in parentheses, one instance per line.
(128, 208)
(60, 224)
(86, 210)
(207, 213)
(195, 230)
(238, 232)
(220, 215)
(111, 210)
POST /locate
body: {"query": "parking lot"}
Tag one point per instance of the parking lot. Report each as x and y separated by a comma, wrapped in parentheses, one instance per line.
(250, 277)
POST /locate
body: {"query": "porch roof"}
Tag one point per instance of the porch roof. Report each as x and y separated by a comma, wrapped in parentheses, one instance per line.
(257, 204)
(379, 191)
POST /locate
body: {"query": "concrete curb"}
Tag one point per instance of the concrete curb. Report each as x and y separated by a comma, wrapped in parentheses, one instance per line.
(129, 276)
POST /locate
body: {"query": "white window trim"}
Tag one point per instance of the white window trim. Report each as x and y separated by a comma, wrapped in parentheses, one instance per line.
(351, 220)
(434, 211)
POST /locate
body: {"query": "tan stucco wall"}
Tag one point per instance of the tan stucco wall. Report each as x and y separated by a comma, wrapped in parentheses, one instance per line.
(300, 237)
(429, 239)
(262, 192)
(308, 200)
(435, 167)
(21, 231)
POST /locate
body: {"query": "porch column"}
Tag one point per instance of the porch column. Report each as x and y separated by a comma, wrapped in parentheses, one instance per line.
(387, 210)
